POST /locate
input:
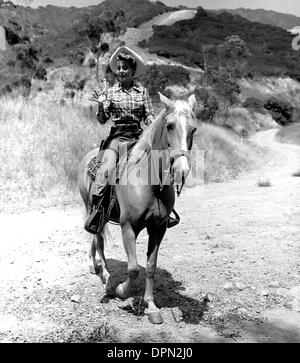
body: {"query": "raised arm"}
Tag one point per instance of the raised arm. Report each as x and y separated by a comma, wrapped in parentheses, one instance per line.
(148, 109)
(104, 107)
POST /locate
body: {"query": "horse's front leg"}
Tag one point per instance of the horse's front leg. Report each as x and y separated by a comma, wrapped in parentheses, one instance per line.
(129, 241)
(156, 235)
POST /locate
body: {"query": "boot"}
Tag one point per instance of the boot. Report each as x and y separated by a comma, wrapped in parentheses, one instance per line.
(96, 217)
(172, 222)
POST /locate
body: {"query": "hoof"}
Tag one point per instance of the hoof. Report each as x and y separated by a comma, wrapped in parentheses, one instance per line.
(94, 270)
(155, 318)
(105, 299)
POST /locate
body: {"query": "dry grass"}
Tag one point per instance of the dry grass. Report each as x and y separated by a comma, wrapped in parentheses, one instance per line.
(41, 146)
(225, 157)
(241, 120)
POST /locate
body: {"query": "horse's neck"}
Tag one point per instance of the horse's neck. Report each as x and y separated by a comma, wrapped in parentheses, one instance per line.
(155, 136)
(153, 139)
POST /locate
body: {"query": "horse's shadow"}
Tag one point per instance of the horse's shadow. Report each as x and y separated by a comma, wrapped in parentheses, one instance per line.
(167, 293)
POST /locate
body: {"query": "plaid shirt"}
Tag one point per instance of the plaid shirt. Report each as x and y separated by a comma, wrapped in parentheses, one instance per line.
(126, 106)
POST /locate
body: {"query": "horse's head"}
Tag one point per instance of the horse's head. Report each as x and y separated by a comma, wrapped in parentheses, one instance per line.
(180, 124)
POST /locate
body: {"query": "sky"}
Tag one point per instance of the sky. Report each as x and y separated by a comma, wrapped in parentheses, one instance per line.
(286, 6)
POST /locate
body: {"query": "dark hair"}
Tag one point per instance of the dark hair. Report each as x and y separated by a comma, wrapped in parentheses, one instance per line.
(129, 59)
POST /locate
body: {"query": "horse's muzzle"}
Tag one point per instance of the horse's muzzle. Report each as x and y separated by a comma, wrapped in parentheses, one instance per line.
(180, 169)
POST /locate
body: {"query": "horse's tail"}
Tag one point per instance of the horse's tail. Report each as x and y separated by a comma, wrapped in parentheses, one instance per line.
(84, 181)
(107, 238)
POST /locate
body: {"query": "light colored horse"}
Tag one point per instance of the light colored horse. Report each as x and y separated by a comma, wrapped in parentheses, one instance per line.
(145, 204)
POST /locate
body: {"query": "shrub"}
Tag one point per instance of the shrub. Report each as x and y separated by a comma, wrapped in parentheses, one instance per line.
(296, 173)
(264, 182)
(158, 77)
(210, 103)
(281, 111)
(41, 73)
(12, 37)
(76, 57)
(47, 60)
(6, 89)
(254, 104)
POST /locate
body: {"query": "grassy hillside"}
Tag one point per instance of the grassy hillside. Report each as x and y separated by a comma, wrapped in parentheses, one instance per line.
(285, 21)
(225, 156)
(55, 29)
(270, 46)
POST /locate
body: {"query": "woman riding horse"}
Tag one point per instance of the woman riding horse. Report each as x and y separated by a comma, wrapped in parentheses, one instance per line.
(144, 203)
(127, 103)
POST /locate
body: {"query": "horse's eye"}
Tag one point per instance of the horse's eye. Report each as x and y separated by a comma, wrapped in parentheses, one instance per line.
(170, 127)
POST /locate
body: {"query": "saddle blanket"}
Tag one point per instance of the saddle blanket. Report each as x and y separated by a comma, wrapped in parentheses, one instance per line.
(92, 168)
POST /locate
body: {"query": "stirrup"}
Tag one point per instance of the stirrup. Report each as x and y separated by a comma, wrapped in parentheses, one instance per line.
(172, 222)
(92, 223)
(96, 217)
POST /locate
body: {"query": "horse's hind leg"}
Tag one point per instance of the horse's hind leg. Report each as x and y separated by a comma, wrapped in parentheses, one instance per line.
(129, 241)
(92, 256)
(101, 270)
(156, 235)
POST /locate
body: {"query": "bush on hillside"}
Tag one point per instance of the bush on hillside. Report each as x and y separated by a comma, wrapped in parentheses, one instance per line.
(76, 57)
(5, 90)
(47, 60)
(281, 111)
(210, 103)
(41, 73)
(11, 37)
(254, 104)
(158, 77)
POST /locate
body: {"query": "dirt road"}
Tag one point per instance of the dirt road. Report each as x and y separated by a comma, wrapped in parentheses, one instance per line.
(229, 272)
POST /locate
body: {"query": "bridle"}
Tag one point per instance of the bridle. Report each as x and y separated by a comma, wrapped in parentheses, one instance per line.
(174, 155)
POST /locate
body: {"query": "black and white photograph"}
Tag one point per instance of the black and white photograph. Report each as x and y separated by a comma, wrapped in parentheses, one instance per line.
(149, 174)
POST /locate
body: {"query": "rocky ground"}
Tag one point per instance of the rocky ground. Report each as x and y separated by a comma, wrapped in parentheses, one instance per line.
(230, 272)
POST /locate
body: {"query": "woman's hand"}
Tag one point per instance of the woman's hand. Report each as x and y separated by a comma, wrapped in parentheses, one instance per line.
(99, 97)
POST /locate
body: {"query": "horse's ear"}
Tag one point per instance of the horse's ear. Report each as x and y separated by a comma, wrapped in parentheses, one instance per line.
(165, 100)
(192, 102)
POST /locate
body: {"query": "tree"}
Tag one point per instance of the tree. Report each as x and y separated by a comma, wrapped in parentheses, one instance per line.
(205, 51)
(74, 87)
(209, 103)
(233, 54)
(158, 77)
(227, 89)
(27, 66)
(96, 30)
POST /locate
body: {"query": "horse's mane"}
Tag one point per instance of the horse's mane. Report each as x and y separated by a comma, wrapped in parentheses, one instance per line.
(148, 136)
